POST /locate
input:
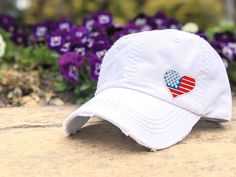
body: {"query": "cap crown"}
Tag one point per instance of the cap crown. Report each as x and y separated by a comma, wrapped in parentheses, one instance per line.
(175, 66)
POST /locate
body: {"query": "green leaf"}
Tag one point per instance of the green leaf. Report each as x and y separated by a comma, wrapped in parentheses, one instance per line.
(10, 95)
(227, 25)
(80, 101)
(211, 31)
(60, 86)
(232, 72)
(77, 90)
(84, 87)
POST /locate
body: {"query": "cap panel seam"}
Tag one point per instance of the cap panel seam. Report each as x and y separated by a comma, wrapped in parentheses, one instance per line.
(134, 56)
(152, 95)
(204, 65)
(139, 120)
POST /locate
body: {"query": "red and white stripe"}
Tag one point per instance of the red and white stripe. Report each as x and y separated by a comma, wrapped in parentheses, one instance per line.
(187, 84)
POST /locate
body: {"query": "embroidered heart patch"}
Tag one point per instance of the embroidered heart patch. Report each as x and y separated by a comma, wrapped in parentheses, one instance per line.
(178, 85)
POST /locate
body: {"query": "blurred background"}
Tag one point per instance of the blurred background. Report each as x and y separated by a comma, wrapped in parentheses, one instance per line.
(51, 50)
(204, 13)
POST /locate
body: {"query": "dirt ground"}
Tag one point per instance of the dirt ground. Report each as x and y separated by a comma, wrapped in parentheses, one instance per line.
(34, 144)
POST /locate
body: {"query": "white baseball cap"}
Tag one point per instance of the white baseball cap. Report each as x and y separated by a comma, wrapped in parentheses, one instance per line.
(156, 85)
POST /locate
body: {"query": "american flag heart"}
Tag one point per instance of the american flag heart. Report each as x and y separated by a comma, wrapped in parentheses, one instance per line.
(178, 85)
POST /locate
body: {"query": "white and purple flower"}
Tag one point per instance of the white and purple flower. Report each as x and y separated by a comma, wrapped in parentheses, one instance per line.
(70, 64)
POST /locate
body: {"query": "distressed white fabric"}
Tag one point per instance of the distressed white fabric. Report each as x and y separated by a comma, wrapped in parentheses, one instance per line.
(156, 85)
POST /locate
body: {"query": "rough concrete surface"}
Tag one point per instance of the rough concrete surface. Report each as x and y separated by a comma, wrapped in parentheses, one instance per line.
(33, 144)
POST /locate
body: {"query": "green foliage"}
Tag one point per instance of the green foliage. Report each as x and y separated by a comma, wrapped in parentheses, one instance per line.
(33, 72)
(222, 27)
(82, 91)
(232, 72)
(85, 91)
(36, 56)
(26, 72)
(60, 84)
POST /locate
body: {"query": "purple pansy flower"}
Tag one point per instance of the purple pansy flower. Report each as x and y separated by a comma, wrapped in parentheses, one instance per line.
(8, 23)
(146, 28)
(131, 28)
(70, 64)
(162, 21)
(100, 48)
(91, 38)
(158, 20)
(64, 25)
(98, 21)
(56, 40)
(160, 15)
(65, 47)
(20, 38)
(141, 19)
(94, 65)
(202, 34)
(80, 49)
(103, 19)
(127, 29)
(224, 37)
(40, 30)
(228, 52)
(172, 24)
(111, 31)
(118, 32)
(101, 53)
(50, 24)
(143, 22)
(98, 36)
(225, 45)
(89, 23)
(95, 59)
(77, 34)
(89, 42)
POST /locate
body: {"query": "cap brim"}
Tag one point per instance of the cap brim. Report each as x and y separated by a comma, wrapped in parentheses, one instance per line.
(151, 122)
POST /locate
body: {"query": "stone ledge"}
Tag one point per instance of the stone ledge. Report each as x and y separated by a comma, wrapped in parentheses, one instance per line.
(33, 144)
